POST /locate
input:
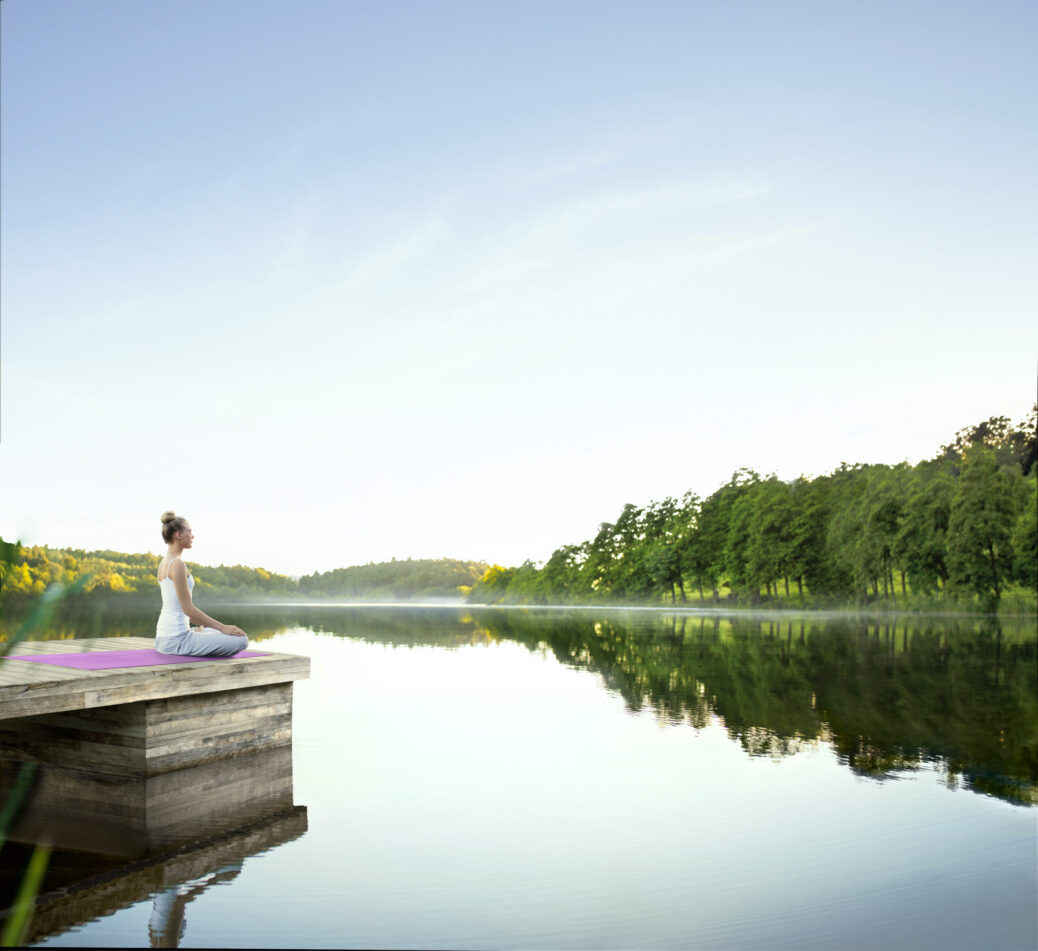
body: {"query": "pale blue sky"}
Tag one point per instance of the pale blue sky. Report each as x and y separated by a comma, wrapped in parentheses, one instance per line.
(345, 281)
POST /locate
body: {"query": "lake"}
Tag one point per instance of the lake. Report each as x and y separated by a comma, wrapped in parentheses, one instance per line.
(564, 778)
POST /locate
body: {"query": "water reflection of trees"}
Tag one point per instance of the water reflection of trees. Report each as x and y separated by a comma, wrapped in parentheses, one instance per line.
(889, 696)
(448, 627)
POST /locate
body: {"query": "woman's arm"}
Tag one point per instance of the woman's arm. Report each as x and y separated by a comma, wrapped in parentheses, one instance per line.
(178, 572)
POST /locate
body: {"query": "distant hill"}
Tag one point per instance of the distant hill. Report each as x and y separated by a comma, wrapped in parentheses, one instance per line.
(422, 578)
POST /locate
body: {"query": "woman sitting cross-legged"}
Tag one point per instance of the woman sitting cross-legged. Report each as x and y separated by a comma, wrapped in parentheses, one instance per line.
(173, 633)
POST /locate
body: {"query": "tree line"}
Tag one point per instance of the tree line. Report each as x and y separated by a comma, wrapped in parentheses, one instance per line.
(131, 578)
(960, 527)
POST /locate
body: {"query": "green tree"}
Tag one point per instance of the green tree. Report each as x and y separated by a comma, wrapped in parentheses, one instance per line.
(842, 493)
(599, 565)
(865, 524)
(736, 510)
(492, 587)
(660, 556)
(810, 516)
(1025, 537)
(983, 513)
(922, 541)
(883, 503)
(561, 574)
(626, 576)
(694, 546)
(771, 535)
(1012, 445)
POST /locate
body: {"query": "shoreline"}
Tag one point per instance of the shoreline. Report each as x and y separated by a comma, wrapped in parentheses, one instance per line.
(742, 610)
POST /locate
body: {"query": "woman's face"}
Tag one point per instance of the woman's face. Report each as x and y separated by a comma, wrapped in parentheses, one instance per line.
(186, 537)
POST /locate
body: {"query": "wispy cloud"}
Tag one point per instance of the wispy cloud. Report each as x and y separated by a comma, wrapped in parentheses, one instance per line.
(565, 166)
(565, 234)
(386, 262)
(296, 240)
(563, 161)
(617, 205)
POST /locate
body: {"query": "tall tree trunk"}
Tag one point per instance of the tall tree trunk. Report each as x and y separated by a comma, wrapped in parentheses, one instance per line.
(699, 584)
(904, 590)
(994, 570)
(800, 586)
(786, 579)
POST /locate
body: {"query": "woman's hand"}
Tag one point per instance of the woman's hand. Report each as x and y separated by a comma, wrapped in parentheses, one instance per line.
(233, 630)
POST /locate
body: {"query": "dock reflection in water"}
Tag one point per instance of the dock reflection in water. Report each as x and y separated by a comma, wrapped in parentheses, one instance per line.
(118, 841)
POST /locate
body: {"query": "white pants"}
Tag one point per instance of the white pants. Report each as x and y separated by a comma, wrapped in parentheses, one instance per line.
(208, 642)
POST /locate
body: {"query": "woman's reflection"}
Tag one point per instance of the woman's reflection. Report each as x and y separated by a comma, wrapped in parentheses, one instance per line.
(167, 923)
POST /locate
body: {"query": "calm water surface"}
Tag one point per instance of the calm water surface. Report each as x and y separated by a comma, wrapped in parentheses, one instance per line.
(607, 779)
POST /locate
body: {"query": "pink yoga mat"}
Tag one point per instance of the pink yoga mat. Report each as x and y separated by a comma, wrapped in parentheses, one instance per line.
(107, 660)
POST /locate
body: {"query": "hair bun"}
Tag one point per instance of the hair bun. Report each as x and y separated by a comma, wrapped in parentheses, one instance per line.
(168, 517)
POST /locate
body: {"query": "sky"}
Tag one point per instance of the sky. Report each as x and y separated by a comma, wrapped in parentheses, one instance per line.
(346, 281)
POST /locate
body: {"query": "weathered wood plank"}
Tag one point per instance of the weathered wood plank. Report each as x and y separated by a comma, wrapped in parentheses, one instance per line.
(127, 720)
(80, 644)
(82, 755)
(177, 762)
(204, 725)
(206, 680)
(200, 747)
(34, 673)
(70, 735)
(232, 699)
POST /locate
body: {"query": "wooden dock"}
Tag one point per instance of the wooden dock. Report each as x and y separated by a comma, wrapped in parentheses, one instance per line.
(143, 721)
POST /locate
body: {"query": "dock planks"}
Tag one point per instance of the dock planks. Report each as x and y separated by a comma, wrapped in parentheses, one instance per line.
(33, 689)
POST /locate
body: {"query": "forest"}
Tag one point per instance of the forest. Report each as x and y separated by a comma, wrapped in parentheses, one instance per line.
(957, 531)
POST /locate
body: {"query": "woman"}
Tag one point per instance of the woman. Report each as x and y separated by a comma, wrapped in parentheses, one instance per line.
(173, 633)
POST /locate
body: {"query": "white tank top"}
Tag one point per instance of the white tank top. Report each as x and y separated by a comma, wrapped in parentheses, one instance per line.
(172, 620)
